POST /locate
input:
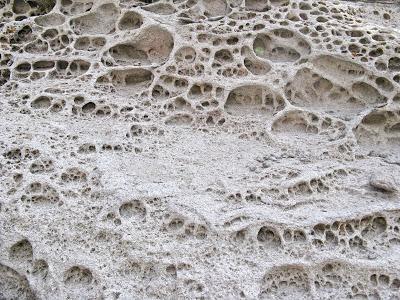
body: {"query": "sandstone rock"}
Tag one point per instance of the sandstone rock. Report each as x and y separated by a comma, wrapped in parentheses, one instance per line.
(383, 182)
(199, 149)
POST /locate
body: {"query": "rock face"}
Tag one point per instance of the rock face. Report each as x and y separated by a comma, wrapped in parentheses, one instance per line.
(383, 182)
(208, 149)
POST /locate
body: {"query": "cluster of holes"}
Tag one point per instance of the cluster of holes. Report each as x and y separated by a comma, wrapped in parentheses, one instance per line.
(60, 69)
(40, 193)
(184, 228)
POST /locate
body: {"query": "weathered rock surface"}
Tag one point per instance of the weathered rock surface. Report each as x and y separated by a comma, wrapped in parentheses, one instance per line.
(383, 182)
(210, 149)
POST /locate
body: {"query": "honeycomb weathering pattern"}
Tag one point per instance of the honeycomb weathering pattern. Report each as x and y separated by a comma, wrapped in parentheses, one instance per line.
(199, 149)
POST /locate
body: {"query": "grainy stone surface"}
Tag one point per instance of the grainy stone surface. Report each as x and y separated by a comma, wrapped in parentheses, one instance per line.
(210, 149)
(384, 182)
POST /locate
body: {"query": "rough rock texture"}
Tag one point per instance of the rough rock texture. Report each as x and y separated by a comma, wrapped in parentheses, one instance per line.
(210, 149)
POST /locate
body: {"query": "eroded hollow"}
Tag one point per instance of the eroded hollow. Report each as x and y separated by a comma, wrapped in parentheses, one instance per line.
(22, 250)
(312, 90)
(50, 20)
(286, 280)
(13, 285)
(152, 45)
(33, 7)
(379, 130)
(127, 81)
(367, 93)
(42, 102)
(280, 45)
(338, 68)
(264, 47)
(252, 100)
(308, 126)
(130, 20)
(185, 54)
(215, 8)
(223, 56)
(257, 5)
(269, 237)
(132, 209)
(256, 67)
(101, 21)
(160, 8)
(78, 275)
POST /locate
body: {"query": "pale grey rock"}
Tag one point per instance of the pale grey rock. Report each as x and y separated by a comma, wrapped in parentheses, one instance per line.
(383, 182)
(199, 149)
